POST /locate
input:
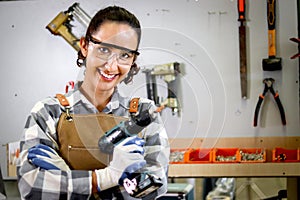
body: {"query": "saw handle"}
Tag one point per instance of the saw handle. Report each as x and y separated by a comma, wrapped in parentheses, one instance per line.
(241, 9)
(271, 17)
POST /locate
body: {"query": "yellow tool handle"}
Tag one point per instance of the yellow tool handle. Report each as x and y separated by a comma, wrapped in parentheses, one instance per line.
(271, 10)
(272, 42)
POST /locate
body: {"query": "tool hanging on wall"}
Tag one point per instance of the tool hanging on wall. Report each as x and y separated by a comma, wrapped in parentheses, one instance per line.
(272, 63)
(61, 24)
(169, 73)
(243, 51)
(268, 82)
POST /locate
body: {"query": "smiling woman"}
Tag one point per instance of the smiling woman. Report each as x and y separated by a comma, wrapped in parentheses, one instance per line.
(102, 75)
(108, 53)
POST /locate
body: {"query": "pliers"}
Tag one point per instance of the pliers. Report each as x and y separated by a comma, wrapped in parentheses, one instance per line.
(269, 87)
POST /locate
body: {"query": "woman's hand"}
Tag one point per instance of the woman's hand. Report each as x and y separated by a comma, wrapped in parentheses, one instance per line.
(46, 158)
(127, 159)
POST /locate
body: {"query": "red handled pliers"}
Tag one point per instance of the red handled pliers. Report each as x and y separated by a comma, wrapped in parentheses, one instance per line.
(269, 87)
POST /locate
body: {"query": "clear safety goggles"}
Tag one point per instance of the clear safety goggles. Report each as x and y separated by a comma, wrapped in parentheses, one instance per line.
(106, 51)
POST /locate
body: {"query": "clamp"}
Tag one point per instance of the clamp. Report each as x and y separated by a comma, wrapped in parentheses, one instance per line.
(269, 87)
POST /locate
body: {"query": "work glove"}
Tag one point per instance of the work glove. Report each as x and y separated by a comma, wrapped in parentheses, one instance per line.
(127, 159)
(46, 158)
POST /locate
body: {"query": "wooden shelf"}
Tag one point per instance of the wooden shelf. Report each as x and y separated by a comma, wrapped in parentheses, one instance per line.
(291, 170)
(267, 169)
(235, 170)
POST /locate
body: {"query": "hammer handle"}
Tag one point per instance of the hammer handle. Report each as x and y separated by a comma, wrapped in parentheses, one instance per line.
(271, 10)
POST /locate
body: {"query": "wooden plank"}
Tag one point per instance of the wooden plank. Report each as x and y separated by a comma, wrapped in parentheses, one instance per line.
(292, 188)
(235, 170)
(240, 142)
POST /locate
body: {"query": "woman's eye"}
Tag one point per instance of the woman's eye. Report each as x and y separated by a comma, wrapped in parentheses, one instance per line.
(103, 50)
(126, 55)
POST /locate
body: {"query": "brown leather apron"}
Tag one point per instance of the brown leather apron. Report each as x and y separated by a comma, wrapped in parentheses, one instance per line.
(78, 136)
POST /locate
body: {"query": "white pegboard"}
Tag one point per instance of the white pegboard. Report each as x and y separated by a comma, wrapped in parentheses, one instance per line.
(202, 35)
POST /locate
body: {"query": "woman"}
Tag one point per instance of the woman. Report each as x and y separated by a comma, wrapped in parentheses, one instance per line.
(108, 51)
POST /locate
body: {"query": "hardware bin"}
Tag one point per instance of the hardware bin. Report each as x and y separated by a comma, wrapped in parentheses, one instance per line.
(253, 155)
(225, 155)
(285, 155)
(199, 156)
(178, 156)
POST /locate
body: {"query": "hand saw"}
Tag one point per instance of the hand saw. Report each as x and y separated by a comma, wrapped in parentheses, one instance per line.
(243, 52)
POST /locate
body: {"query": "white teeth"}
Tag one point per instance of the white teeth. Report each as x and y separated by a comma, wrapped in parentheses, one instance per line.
(107, 75)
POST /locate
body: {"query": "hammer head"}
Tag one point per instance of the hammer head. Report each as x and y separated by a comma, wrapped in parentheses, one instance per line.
(271, 64)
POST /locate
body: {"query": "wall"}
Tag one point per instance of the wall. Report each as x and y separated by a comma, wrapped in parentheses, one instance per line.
(202, 35)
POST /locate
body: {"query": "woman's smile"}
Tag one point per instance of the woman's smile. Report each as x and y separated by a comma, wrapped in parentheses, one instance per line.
(105, 76)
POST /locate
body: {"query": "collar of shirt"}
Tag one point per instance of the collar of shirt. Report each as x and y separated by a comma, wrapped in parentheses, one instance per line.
(80, 104)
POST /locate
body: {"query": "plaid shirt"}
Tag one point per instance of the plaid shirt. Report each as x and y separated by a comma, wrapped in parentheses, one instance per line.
(40, 128)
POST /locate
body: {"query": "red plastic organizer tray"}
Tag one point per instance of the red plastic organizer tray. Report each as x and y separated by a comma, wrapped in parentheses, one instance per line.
(285, 155)
(253, 155)
(225, 155)
(178, 156)
(199, 156)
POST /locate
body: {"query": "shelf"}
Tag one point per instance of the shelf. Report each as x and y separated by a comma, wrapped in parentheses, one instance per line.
(290, 171)
(235, 170)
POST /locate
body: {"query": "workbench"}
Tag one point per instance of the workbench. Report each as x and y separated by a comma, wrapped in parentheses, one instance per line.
(289, 170)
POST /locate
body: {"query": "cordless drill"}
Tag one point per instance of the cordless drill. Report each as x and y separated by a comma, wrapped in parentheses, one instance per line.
(139, 184)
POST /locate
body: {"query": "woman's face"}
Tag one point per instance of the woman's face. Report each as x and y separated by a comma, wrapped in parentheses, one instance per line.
(109, 55)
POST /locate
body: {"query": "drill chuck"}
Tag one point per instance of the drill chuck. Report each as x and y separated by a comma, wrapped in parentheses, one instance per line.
(125, 129)
(119, 133)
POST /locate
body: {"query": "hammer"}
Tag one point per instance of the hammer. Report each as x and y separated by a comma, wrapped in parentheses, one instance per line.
(272, 63)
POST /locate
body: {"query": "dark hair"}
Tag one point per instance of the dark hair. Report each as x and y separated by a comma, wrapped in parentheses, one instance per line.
(115, 14)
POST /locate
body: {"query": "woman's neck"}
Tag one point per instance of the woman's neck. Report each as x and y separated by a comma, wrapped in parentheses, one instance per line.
(98, 98)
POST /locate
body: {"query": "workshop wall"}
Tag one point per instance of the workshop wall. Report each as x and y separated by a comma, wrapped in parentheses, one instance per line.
(202, 35)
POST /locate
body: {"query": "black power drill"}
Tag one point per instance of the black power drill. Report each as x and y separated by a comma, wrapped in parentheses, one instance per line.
(144, 183)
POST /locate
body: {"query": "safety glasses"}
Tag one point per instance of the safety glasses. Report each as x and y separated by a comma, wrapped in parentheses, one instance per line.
(105, 51)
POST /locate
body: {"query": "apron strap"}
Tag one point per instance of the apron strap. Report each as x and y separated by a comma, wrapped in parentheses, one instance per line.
(134, 105)
(62, 100)
(65, 103)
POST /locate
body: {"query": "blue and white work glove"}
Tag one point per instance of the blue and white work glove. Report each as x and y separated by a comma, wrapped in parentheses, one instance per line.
(127, 159)
(46, 158)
